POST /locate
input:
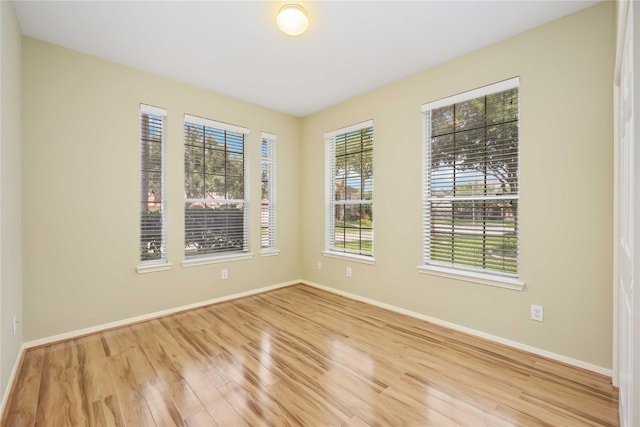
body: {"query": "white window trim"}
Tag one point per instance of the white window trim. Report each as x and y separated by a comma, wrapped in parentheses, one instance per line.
(473, 276)
(204, 260)
(161, 264)
(329, 222)
(350, 128)
(513, 282)
(214, 124)
(471, 94)
(273, 248)
(269, 252)
(152, 268)
(362, 259)
(150, 109)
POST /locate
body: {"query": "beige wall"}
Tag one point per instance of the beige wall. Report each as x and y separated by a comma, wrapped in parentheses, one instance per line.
(10, 218)
(566, 72)
(81, 190)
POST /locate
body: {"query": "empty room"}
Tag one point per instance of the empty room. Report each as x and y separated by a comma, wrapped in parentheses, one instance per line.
(344, 213)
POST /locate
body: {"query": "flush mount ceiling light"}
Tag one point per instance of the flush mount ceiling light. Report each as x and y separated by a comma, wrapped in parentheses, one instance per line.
(292, 19)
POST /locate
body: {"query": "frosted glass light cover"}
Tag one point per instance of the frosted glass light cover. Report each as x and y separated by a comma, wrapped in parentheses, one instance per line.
(292, 19)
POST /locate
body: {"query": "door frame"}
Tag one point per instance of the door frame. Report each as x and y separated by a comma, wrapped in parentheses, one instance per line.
(624, 8)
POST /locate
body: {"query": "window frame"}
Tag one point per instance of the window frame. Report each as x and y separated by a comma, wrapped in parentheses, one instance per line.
(330, 249)
(230, 255)
(268, 161)
(465, 273)
(161, 264)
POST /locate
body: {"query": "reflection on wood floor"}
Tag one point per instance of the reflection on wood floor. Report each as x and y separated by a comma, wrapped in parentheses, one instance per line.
(299, 356)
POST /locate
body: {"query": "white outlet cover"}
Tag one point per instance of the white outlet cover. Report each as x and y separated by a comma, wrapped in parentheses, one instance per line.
(537, 313)
(348, 271)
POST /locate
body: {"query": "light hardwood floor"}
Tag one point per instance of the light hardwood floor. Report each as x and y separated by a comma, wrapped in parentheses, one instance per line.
(299, 356)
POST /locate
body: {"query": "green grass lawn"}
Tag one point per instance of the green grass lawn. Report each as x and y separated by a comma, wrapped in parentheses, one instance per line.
(496, 253)
(356, 246)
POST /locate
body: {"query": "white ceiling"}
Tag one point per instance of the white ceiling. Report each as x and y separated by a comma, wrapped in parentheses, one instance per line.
(234, 47)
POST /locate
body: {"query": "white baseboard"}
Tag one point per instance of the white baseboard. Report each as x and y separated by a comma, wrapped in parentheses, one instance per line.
(150, 316)
(456, 327)
(12, 378)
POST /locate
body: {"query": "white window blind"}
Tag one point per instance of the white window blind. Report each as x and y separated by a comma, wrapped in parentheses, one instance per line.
(349, 190)
(216, 196)
(268, 199)
(471, 180)
(153, 206)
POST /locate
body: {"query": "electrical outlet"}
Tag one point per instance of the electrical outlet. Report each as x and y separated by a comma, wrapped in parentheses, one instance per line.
(224, 274)
(348, 271)
(537, 313)
(15, 325)
(319, 265)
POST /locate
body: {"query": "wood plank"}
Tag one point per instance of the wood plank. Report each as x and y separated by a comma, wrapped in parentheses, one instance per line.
(128, 371)
(106, 413)
(201, 419)
(355, 422)
(216, 405)
(96, 380)
(61, 398)
(23, 401)
(160, 404)
(184, 399)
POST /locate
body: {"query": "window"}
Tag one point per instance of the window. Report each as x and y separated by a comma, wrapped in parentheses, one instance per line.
(349, 190)
(268, 199)
(153, 206)
(471, 186)
(215, 188)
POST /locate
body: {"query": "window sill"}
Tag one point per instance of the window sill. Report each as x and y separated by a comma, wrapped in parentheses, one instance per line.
(270, 252)
(350, 257)
(151, 268)
(193, 262)
(474, 277)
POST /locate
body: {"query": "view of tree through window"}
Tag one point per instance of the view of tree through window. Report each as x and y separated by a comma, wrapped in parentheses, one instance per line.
(214, 172)
(350, 226)
(152, 200)
(472, 183)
